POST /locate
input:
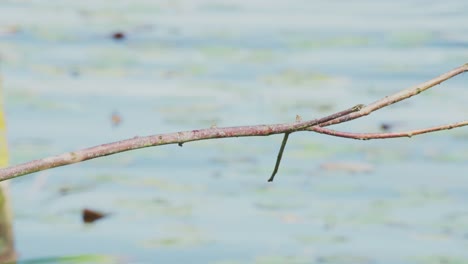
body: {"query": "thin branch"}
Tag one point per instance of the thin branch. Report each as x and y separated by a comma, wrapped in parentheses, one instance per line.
(158, 140)
(367, 136)
(399, 96)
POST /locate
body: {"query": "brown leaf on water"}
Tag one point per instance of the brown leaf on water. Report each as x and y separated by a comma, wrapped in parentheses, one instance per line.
(386, 127)
(89, 216)
(116, 119)
(390, 126)
(118, 35)
(354, 167)
(9, 30)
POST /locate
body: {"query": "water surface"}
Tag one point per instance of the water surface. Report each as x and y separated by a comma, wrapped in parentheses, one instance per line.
(193, 64)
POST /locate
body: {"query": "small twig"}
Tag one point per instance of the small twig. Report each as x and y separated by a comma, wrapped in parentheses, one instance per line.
(280, 155)
(367, 136)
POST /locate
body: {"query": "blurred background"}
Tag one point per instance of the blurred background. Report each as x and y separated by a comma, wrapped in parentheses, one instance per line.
(82, 73)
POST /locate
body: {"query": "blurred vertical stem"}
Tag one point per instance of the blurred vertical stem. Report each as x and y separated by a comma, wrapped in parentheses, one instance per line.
(7, 249)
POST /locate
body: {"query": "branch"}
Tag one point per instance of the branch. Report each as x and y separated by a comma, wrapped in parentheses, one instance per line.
(367, 136)
(386, 101)
(158, 140)
(316, 125)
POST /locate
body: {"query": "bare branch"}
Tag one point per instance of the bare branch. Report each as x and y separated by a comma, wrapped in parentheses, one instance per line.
(367, 136)
(179, 138)
(158, 140)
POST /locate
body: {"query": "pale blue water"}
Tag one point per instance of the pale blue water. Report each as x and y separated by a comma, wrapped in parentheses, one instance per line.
(192, 64)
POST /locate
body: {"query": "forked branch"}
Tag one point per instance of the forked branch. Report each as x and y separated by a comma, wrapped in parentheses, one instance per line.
(386, 101)
(316, 125)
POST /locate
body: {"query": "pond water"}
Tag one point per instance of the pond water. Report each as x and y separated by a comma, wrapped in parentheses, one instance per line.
(184, 65)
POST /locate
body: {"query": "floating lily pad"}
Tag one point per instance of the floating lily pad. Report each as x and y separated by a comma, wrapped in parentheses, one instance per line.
(97, 259)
